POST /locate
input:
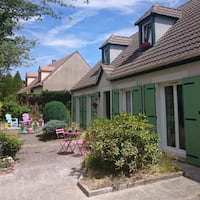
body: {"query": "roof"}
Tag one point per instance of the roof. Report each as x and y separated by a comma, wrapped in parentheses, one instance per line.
(28, 88)
(52, 68)
(31, 75)
(161, 10)
(180, 42)
(117, 40)
(90, 79)
(46, 68)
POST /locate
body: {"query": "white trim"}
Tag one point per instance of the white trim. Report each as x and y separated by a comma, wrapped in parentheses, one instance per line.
(163, 127)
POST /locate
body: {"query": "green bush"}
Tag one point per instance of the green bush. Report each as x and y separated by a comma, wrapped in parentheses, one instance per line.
(50, 127)
(125, 144)
(12, 107)
(11, 144)
(55, 110)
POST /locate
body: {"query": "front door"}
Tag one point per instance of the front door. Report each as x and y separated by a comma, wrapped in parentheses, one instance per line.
(175, 133)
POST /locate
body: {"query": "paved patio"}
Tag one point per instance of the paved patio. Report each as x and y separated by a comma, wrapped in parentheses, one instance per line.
(42, 174)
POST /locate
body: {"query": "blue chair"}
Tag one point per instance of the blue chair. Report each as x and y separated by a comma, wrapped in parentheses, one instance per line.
(12, 122)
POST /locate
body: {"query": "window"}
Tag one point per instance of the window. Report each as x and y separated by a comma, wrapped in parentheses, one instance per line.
(106, 55)
(147, 33)
(128, 101)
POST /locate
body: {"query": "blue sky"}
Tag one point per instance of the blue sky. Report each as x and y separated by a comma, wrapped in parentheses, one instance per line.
(84, 28)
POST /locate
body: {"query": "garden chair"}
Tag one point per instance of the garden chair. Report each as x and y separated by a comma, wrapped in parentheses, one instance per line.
(12, 122)
(26, 119)
(81, 145)
(65, 143)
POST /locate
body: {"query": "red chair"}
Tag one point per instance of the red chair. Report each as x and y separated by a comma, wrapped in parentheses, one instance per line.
(65, 143)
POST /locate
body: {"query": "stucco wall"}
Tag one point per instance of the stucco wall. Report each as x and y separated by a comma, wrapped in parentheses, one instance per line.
(29, 80)
(115, 50)
(44, 75)
(162, 24)
(67, 75)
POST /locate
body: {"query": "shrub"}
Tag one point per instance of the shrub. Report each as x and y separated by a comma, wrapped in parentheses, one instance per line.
(125, 144)
(50, 127)
(55, 110)
(11, 144)
(14, 108)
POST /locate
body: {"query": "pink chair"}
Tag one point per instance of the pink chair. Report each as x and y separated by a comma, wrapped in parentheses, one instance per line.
(26, 119)
(65, 143)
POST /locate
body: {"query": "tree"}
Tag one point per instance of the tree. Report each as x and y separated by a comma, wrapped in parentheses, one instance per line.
(7, 85)
(14, 50)
(17, 82)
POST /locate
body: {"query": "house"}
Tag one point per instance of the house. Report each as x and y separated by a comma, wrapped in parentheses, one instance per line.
(156, 73)
(61, 74)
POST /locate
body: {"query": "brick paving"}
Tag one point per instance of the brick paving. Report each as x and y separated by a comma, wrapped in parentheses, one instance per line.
(42, 174)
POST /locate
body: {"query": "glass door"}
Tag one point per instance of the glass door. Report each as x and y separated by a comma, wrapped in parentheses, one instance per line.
(174, 117)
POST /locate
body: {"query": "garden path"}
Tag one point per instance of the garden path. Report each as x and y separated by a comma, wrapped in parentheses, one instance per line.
(42, 174)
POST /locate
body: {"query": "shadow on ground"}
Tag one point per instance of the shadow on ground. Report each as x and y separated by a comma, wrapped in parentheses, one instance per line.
(190, 171)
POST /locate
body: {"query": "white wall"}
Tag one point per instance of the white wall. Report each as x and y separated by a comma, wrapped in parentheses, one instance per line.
(115, 50)
(66, 76)
(162, 25)
(44, 75)
(29, 80)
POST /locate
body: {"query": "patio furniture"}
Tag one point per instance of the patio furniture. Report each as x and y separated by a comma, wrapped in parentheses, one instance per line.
(12, 122)
(65, 143)
(26, 119)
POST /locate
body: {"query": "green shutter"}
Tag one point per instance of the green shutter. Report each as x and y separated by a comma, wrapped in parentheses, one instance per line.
(191, 100)
(137, 100)
(150, 103)
(93, 106)
(74, 109)
(81, 110)
(115, 102)
(84, 111)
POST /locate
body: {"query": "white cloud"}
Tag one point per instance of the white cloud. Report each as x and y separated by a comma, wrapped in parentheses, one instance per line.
(126, 6)
(72, 20)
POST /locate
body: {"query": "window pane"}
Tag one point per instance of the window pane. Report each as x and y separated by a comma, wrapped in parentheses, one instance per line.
(169, 98)
(128, 101)
(181, 117)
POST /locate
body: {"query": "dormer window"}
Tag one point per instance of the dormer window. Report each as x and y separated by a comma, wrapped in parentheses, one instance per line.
(106, 55)
(112, 47)
(147, 35)
(155, 23)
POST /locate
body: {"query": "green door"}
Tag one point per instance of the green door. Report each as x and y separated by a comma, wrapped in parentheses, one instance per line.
(137, 100)
(115, 102)
(83, 111)
(74, 109)
(93, 106)
(191, 99)
(150, 103)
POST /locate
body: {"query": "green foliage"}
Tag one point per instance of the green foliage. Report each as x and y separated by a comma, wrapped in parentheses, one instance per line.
(12, 107)
(9, 85)
(11, 144)
(17, 82)
(50, 127)
(45, 97)
(125, 144)
(55, 110)
(14, 49)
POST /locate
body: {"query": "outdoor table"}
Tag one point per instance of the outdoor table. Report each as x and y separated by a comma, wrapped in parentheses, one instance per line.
(71, 140)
